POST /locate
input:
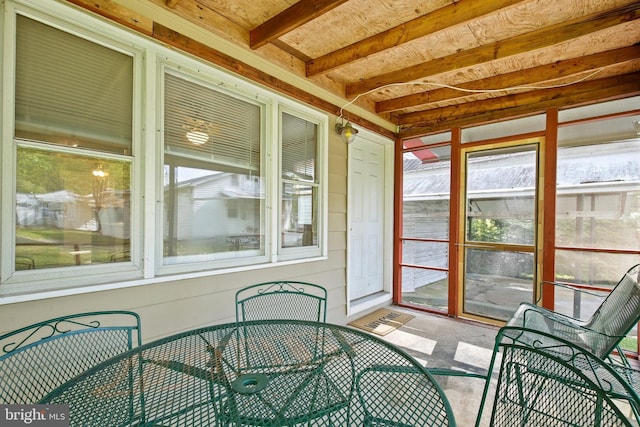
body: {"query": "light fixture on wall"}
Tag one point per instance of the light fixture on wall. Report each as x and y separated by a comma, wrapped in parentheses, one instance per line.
(636, 126)
(345, 130)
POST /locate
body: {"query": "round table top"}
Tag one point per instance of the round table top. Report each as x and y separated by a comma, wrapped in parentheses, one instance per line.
(260, 373)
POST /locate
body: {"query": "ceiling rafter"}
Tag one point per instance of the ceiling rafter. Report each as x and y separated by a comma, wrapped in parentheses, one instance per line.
(448, 16)
(519, 44)
(529, 77)
(293, 17)
(520, 104)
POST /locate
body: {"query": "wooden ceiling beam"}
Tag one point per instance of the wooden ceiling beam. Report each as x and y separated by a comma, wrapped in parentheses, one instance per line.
(523, 43)
(517, 105)
(448, 16)
(528, 77)
(291, 18)
(113, 11)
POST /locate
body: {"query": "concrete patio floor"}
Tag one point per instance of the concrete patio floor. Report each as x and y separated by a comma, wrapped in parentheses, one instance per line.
(442, 342)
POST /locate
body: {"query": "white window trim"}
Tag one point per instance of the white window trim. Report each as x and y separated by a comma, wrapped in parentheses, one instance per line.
(27, 281)
(285, 254)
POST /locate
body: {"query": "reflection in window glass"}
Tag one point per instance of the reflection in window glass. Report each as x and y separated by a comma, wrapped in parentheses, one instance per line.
(299, 208)
(72, 206)
(71, 210)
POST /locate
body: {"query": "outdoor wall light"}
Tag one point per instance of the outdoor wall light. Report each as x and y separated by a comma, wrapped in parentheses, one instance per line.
(345, 130)
(636, 126)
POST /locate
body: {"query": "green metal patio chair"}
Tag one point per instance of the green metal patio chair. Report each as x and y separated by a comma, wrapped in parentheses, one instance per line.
(282, 300)
(555, 382)
(548, 381)
(386, 405)
(602, 333)
(38, 358)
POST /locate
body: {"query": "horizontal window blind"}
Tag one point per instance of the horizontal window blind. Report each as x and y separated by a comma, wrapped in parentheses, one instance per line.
(299, 148)
(71, 91)
(210, 125)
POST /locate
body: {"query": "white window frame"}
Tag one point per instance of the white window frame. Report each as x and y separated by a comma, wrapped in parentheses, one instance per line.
(284, 254)
(28, 281)
(211, 78)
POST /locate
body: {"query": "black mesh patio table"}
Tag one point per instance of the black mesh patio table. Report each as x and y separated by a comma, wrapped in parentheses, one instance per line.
(262, 373)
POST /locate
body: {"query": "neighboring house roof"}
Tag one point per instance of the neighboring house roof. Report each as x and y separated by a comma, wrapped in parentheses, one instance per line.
(577, 167)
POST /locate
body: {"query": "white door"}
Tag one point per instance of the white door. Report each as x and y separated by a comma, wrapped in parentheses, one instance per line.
(367, 218)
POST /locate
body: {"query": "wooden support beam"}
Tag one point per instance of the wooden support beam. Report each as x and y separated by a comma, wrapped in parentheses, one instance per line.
(291, 18)
(113, 11)
(171, 3)
(453, 14)
(501, 49)
(517, 105)
(528, 77)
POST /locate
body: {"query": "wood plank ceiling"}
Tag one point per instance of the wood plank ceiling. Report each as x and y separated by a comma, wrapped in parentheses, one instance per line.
(424, 66)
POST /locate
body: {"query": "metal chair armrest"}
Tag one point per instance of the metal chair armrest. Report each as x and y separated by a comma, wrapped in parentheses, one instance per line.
(568, 286)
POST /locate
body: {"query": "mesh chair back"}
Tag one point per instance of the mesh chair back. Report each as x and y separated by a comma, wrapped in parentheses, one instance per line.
(388, 398)
(282, 300)
(36, 359)
(557, 383)
(617, 314)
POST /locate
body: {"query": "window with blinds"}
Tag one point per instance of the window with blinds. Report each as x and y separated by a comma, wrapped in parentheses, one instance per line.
(299, 146)
(71, 91)
(213, 197)
(73, 133)
(299, 212)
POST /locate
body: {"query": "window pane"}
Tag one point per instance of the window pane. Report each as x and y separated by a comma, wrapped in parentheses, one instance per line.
(209, 125)
(213, 197)
(497, 281)
(598, 202)
(425, 254)
(425, 216)
(501, 197)
(599, 270)
(592, 268)
(426, 187)
(299, 213)
(299, 210)
(299, 149)
(71, 210)
(426, 288)
(70, 91)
